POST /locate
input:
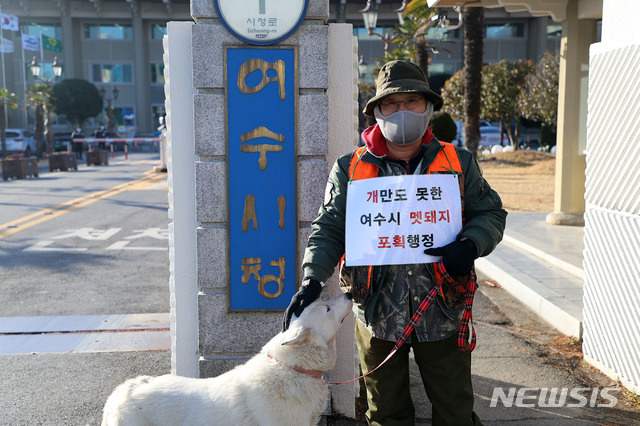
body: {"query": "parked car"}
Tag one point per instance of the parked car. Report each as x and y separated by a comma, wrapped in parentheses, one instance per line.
(489, 135)
(20, 141)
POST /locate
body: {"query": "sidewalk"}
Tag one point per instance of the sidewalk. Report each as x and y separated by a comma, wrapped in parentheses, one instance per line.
(541, 265)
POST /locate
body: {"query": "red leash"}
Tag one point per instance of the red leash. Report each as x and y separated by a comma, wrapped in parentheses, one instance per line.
(463, 333)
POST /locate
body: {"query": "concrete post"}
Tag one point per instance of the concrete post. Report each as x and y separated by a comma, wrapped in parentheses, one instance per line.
(327, 90)
(181, 180)
(577, 36)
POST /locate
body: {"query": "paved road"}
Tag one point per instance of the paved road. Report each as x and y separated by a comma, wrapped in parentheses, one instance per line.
(90, 242)
(67, 279)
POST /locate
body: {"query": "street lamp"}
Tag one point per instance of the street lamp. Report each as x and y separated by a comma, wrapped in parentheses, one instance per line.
(370, 18)
(46, 97)
(362, 67)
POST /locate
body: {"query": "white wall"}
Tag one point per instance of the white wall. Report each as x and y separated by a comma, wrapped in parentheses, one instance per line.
(612, 197)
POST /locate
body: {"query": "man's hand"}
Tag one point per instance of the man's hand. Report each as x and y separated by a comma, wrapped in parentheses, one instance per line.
(457, 256)
(309, 291)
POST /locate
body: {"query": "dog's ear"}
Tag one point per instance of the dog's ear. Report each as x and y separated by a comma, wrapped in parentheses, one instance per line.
(296, 336)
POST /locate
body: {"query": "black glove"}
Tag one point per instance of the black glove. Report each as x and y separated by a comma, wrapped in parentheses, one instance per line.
(457, 256)
(309, 291)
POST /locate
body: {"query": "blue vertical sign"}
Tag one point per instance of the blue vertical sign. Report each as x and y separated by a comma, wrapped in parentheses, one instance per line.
(261, 93)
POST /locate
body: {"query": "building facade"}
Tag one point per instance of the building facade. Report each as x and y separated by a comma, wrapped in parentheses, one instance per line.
(510, 36)
(114, 44)
(117, 45)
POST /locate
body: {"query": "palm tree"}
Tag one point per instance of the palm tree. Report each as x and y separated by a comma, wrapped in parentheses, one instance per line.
(473, 51)
(7, 100)
(411, 35)
(39, 98)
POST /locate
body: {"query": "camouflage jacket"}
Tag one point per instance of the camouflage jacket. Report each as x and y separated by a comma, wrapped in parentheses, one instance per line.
(397, 290)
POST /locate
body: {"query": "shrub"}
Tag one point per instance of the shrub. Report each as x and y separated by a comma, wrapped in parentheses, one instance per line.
(443, 127)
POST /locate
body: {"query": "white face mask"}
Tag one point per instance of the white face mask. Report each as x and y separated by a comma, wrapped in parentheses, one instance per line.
(403, 127)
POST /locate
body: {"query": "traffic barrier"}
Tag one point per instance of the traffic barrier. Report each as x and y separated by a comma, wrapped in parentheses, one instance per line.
(111, 140)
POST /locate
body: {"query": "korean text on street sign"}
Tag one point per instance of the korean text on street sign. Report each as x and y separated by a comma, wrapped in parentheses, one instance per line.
(392, 220)
(261, 129)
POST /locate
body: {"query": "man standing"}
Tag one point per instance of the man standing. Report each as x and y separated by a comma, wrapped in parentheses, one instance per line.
(100, 133)
(78, 147)
(387, 296)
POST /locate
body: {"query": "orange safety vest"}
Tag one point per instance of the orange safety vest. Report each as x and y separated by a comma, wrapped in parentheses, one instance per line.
(446, 161)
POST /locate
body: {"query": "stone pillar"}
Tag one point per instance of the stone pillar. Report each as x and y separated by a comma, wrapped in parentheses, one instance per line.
(327, 92)
(577, 36)
(140, 37)
(68, 35)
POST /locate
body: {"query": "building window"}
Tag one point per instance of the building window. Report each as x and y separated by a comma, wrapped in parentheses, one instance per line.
(508, 30)
(112, 73)
(441, 68)
(108, 32)
(158, 31)
(54, 31)
(554, 30)
(363, 34)
(435, 33)
(157, 73)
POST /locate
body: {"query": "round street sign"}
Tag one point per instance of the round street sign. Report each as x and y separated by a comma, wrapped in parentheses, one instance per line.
(261, 22)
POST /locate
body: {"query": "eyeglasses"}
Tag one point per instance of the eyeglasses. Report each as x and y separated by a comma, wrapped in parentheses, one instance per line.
(412, 103)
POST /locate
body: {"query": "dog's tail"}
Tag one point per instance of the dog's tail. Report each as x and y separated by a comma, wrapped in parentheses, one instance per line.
(115, 412)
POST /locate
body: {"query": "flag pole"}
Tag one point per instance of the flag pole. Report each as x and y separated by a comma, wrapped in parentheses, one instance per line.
(41, 53)
(4, 83)
(24, 80)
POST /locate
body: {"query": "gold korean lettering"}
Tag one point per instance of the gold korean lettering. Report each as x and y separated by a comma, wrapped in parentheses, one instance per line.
(252, 266)
(249, 213)
(261, 132)
(271, 278)
(258, 64)
(282, 203)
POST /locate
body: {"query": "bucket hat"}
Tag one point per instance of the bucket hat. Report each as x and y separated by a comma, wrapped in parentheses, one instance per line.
(401, 77)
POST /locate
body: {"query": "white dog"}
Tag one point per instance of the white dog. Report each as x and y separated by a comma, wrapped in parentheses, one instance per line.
(282, 385)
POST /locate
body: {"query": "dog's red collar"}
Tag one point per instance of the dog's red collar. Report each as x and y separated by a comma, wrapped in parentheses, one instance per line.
(316, 374)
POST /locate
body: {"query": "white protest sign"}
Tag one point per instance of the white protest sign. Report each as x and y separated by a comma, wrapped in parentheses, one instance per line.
(391, 220)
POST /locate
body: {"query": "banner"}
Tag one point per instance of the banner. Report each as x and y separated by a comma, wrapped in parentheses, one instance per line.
(51, 43)
(391, 220)
(9, 22)
(30, 42)
(6, 46)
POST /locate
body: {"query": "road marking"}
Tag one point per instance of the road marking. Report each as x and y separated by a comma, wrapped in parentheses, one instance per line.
(44, 246)
(123, 245)
(37, 218)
